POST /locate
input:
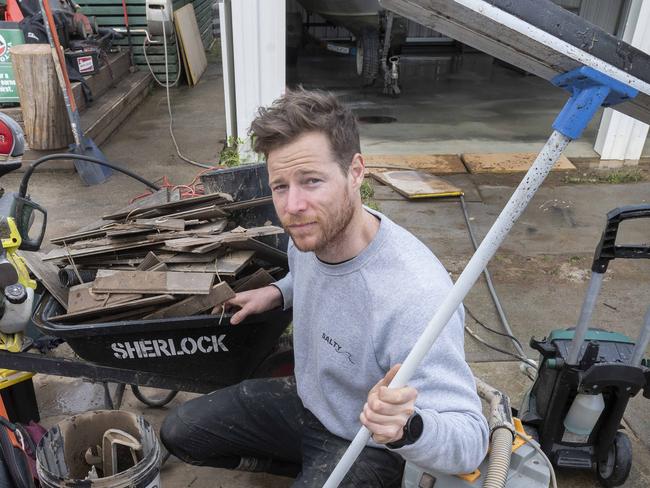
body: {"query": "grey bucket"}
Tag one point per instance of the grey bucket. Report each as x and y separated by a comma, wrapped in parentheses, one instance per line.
(60, 455)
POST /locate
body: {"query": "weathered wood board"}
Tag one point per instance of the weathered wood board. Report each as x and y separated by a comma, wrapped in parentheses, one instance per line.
(508, 162)
(152, 282)
(432, 163)
(417, 184)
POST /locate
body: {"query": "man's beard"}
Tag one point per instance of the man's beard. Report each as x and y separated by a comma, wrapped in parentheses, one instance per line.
(330, 227)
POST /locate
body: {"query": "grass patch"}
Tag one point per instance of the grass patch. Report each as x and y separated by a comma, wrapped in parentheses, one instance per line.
(368, 195)
(230, 154)
(615, 177)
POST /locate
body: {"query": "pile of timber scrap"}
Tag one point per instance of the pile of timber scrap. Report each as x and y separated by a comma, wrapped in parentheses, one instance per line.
(161, 257)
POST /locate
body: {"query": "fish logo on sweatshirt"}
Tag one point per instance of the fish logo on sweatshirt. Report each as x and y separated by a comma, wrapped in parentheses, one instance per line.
(337, 347)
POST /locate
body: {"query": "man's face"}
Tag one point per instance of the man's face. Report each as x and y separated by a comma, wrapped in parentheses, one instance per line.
(313, 198)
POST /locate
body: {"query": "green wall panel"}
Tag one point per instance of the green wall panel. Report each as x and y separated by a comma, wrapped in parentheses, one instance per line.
(109, 13)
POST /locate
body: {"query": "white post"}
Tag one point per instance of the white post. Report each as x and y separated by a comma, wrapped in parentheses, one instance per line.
(621, 137)
(258, 58)
(225, 28)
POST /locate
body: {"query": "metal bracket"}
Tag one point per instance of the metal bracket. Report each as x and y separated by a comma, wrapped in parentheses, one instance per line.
(590, 89)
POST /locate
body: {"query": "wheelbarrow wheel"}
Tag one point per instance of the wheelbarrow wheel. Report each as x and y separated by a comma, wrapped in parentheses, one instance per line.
(616, 468)
(153, 401)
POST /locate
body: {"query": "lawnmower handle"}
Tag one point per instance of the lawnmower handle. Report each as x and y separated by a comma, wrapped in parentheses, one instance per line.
(607, 248)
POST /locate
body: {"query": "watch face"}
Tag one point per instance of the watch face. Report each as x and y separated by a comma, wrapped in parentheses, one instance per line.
(415, 426)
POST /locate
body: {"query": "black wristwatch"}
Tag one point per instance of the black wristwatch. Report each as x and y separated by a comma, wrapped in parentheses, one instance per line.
(412, 432)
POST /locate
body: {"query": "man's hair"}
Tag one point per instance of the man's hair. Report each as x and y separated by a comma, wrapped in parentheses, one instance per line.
(301, 111)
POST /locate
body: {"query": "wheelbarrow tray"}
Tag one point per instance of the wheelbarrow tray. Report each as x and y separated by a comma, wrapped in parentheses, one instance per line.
(183, 347)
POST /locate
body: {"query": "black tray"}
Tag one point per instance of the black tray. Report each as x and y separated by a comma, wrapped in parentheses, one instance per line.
(184, 347)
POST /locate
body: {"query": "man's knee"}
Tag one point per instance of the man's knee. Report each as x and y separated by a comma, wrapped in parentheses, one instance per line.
(176, 436)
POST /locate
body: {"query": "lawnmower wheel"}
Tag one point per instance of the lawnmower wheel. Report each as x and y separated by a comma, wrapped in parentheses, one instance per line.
(615, 470)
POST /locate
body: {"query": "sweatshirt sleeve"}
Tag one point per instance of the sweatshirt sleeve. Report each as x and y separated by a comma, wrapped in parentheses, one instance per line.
(455, 436)
(285, 285)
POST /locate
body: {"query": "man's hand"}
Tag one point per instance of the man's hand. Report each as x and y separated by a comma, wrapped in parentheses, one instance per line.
(387, 410)
(254, 301)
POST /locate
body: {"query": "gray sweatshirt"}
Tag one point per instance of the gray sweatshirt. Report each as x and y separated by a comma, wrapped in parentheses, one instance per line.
(354, 320)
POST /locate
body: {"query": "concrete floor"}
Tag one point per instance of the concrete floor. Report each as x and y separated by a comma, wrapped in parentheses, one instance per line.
(448, 105)
(540, 272)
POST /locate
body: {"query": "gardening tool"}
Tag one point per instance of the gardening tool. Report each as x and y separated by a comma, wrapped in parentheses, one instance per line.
(587, 376)
(589, 90)
(91, 174)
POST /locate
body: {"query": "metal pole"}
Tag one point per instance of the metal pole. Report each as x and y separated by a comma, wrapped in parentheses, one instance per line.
(642, 342)
(588, 306)
(531, 182)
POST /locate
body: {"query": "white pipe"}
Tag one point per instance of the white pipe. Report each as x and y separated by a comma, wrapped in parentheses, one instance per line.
(529, 185)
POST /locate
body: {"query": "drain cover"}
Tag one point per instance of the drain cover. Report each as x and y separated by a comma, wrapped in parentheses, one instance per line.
(376, 119)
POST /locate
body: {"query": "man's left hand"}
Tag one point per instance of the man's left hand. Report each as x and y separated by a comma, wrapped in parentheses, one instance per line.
(387, 410)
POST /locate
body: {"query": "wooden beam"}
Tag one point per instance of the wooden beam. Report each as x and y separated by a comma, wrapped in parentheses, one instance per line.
(196, 304)
(152, 282)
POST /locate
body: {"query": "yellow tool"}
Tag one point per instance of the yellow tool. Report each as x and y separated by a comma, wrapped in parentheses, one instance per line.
(12, 271)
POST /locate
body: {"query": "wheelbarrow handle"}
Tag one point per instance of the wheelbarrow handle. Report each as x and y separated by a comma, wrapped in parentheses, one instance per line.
(607, 248)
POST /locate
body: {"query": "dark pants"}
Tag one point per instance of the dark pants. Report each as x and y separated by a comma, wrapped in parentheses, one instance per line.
(261, 425)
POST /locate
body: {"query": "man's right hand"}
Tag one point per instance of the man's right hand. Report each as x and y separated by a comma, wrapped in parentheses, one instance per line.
(254, 301)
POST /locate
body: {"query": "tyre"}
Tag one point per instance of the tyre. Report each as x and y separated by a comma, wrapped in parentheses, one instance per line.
(616, 468)
(153, 401)
(368, 57)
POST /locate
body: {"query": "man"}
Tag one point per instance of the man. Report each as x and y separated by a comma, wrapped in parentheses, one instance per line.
(362, 291)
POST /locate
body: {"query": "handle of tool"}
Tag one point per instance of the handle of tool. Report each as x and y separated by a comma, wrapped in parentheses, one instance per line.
(608, 250)
(593, 290)
(529, 185)
(61, 70)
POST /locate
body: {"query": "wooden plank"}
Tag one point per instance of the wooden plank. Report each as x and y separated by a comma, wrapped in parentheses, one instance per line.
(149, 261)
(229, 264)
(208, 243)
(144, 226)
(94, 251)
(48, 274)
(186, 257)
(159, 267)
(191, 44)
(161, 223)
(508, 162)
(210, 227)
(113, 309)
(160, 197)
(208, 212)
(243, 204)
(152, 282)
(433, 163)
(264, 251)
(82, 297)
(89, 234)
(260, 278)
(417, 184)
(129, 314)
(177, 204)
(196, 304)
